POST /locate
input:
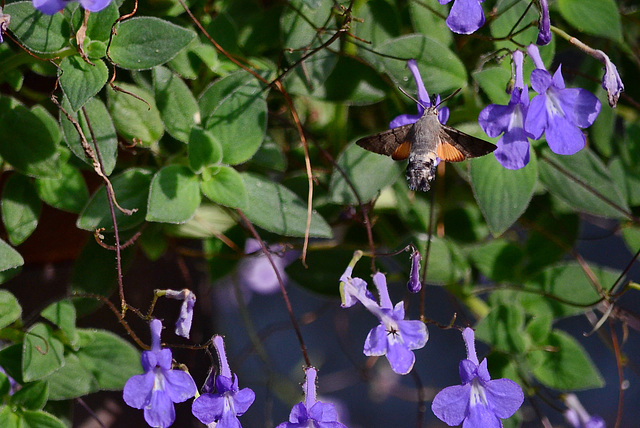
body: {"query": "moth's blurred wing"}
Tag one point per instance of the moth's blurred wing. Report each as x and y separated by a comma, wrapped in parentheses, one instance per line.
(456, 146)
(387, 142)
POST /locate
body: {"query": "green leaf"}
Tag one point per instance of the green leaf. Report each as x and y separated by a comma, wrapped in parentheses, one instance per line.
(441, 70)
(503, 329)
(626, 179)
(567, 366)
(596, 17)
(99, 23)
(111, 359)
(596, 195)
(277, 209)
(9, 419)
(208, 221)
(40, 419)
(81, 81)
(299, 22)
(378, 21)
(493, 81)
(502, 194)
(42, 353)
(9, 258)
(32, 396)
(10, 309)
(144, 42)
(203, 150)
(38, 32)
(328, 265)
(132, 191)
(631, 236)
(21, 208)
(102, 128)
(367, 172)
(68, 193)
(71, 381)
(569, 286)
(177, 105)
(63, 314)
(447, 264)
(498, 259)
(430, 24)
(132, 117)
(225, 187)
(239, 122)
(174, 195)
(27, 143)
(352, 83)
(311, 74)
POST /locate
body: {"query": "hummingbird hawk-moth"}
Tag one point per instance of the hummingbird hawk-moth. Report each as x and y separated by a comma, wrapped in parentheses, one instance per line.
(422, 142)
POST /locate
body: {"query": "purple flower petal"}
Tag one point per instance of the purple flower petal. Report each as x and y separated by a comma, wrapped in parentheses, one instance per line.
(480, 416)
(563, 137)
(581, 106)
(242, 400)
(494, 119)
(160, 411)
(540, 80)
(404, 119)
(376, 342)
(137, 390)
(49, 7)
(94, 5)
(513, 149)
(544, 25)
(400, 357)
(423, 95)
(323, 412)
(414, 333)
(505, 397)
(179, 385)
(536, 120)
(451, 404)
(466, 16)
(208, 408)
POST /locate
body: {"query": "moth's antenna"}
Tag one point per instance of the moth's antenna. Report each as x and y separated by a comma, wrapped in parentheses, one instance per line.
(410, 96)
(450, 96)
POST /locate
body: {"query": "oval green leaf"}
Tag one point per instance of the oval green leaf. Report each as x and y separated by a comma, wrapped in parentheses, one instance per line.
(174, 195)
(177, 105)
(596, 17)
(132, 117)
(38, 32)
(225, 187)
(21, 208)
(144, 42)
(81, 81)
(277, 209)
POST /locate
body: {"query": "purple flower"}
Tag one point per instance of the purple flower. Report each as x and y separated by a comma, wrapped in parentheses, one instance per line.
(611, 81)
(224, 402)
(465, 17)
(394, 337)
(159, 387)
(414, 284)
(4, 24)
(183, 324)
(479, 402)
(577, 416)
(423, 101)
(544, 24)
(557, 111)
(513, 146)
(49, 7)
(256, 273)
(312, 413)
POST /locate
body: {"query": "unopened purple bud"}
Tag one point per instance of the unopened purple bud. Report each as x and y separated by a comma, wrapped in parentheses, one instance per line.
(544, 25)
(414, 285)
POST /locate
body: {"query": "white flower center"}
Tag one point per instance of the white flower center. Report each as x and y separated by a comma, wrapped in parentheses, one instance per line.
(478, 394)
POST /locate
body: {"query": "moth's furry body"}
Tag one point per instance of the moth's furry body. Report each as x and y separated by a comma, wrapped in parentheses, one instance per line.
(423, 143)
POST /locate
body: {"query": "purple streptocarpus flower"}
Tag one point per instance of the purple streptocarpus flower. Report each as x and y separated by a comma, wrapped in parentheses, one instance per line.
(159, 387)
(544, 24)
(414, 284)
(223, 402)
(311, 412)
(423, 101)
(395, 337)
(255, 271)
(513, 146)
(5, 20)
(183, 324)
(479, 402)
(49, 7)
(577, 416)
(465, 16)
(611, 81)
(557, 111)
